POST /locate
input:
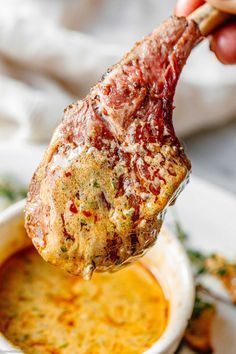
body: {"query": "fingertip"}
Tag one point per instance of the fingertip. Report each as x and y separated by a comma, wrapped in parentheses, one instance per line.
(223, 44)
(185, 7)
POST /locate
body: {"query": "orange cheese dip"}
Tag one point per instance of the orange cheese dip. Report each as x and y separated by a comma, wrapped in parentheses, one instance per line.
(45, 310)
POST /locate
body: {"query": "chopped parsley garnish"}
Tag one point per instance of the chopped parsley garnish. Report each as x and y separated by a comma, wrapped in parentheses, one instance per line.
(221, 271)
(96, 184)
(10, 190)
(83, 222)
(198, 260)
(200, 306)
(64, 345)
(64, 249)
(178, 229)
(114, 183)
(182, 236)
(212, 264)
(196, 256)
(7, 193)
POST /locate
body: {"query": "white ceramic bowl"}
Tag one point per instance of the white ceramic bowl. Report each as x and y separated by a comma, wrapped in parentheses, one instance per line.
(167, 260)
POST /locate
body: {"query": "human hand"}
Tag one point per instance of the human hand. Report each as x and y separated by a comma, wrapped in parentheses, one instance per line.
(223, 40)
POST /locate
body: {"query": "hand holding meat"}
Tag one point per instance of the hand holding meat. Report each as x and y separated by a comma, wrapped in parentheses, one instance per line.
(222, 41)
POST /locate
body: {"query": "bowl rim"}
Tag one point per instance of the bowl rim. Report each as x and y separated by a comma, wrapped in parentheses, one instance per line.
(173, 333)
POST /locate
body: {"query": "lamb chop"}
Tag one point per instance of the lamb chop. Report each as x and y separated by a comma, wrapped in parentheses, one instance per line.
(97, 200)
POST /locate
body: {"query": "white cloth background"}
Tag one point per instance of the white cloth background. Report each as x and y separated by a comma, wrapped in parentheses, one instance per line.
(51, 52)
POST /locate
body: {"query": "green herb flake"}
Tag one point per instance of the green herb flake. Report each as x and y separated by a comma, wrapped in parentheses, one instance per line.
(202, 270)
(198, 261)
(7, 193)
(200, 306)
(23, 338)
(196, 256)
(114, 183)
(96, 184)
(9, 190)
(83, 222)
(181, 234)
(91, 204)
(221, 272)
(64, 345)
(64, 249)
(178, 229)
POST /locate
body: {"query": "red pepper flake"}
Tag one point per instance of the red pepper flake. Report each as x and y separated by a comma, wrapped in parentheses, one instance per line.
(66, 234)
(87, 213)
(68, 174)
(95, 218)
(155, 190)
(104, 111)
(70, 138)
(73, 208)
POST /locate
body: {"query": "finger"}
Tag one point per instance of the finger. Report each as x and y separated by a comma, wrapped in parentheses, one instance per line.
(223, 43)
(185, 7)
(225, 6)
